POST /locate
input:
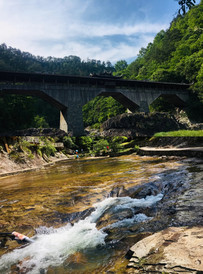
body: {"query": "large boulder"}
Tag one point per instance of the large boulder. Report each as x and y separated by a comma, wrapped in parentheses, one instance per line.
(173, 250)
(140, 124)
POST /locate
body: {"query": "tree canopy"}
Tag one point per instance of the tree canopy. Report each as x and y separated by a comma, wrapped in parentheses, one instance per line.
(184, 5)
(176, 55)
(12, 59)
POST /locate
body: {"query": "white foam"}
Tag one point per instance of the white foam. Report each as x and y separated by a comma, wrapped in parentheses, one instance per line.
(53, 246)
(129, 221)
(127, 202)
(52, 249)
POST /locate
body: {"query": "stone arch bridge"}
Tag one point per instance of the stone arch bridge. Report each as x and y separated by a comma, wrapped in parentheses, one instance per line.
(70, 93)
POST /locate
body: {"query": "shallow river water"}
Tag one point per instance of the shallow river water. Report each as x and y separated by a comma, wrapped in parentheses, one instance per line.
(69, 208)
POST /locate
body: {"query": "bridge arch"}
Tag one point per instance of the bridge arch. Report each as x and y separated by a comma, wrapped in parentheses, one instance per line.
(37, 94)
(70, 93)
(172, 99)
(122, 99)
(101, 108)
(34, 93)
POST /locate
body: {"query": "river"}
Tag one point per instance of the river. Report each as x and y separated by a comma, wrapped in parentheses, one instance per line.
(82, 214)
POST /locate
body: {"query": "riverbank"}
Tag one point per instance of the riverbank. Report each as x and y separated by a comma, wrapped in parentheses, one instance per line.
(172, 151)
(9, 167)
(172, 146)
(161, 146)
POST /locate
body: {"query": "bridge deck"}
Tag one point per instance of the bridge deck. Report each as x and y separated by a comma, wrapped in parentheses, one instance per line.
(8, 76)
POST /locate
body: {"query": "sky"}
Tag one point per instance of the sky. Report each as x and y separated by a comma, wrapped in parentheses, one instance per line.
(106, 30)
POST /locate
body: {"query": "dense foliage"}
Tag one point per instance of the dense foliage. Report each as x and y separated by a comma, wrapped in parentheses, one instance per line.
(100, 109)
(12, 59)
(20, 112)
(176, 55)
(185, 4)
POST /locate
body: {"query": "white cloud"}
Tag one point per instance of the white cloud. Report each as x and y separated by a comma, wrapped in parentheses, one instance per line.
(107, 30)
(57, 28)
(103, 51)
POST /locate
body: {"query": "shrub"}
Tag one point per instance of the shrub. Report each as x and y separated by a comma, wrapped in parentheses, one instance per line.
(100, 147)
(25, 147)
(68, 142)
(17, 157)
(85, 142)
(136, 148)
(115, 143)
(40, 122)
(46, 147)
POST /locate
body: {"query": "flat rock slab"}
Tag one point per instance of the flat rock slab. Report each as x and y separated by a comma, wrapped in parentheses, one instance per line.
(173, 250)
(174, 151)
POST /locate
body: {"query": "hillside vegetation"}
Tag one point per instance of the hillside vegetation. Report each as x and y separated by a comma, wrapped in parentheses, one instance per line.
(12, 59)
(176, 55)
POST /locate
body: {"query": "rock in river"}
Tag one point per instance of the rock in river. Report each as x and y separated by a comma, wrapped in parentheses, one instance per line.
(173, 250)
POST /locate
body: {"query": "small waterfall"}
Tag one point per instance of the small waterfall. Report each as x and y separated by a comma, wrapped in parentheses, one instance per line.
(52, 246)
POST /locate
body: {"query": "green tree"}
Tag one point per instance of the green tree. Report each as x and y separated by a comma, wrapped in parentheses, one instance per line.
(185, 5)
(40, 122)
(175, 55)
(120, 66)
(100, 109)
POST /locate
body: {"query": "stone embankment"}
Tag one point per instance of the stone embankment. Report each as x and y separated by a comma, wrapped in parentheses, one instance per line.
(9, 167)
(173, 151)
(173, 146)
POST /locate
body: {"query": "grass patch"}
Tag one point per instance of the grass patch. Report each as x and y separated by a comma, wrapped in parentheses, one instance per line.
(180, 133)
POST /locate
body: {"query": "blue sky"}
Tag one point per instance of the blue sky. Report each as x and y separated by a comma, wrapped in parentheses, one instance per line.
(106, 30)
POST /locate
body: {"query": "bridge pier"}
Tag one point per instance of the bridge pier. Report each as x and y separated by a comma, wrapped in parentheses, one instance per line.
(70, 93)
(71, 120)
(144, 107)
(63, 122)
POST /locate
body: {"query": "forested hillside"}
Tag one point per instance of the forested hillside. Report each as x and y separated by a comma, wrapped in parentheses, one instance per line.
(176, 55)
(12, 59)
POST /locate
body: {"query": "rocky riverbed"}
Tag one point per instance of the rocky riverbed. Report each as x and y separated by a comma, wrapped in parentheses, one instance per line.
(147, 196)
(170, 240)
(175, 223)
(177, 247)
(173, 250)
